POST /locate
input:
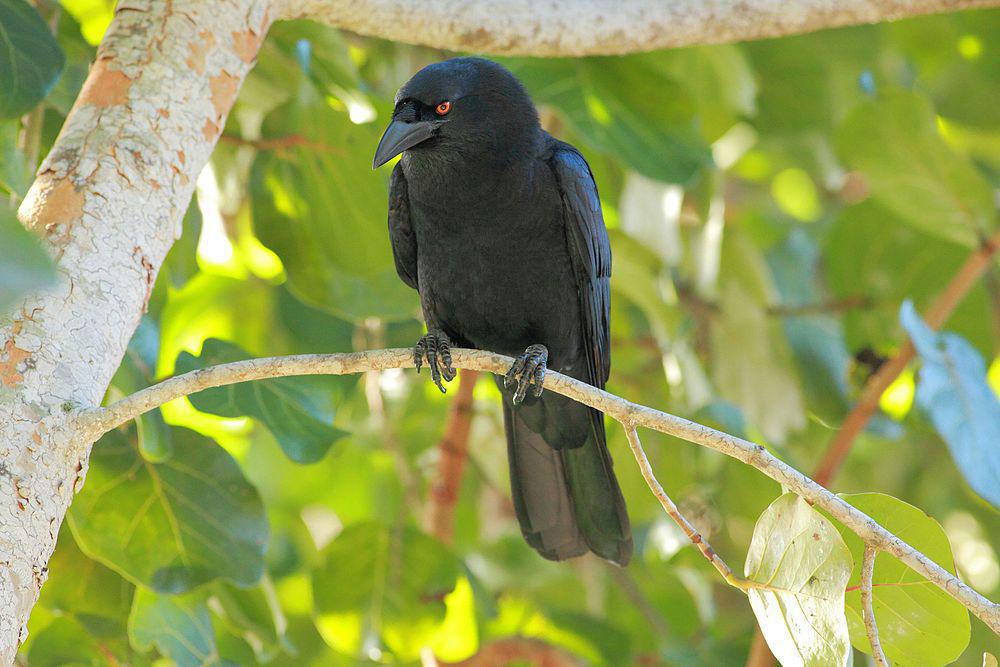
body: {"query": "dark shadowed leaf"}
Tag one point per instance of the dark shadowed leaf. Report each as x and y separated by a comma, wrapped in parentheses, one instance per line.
(178, 626)
(172, 525)
(952, 390)
(30, 60)
(25, 266)
(297, 411)
(804, 564)
(894, 142)
(918, 623)
(386, 581)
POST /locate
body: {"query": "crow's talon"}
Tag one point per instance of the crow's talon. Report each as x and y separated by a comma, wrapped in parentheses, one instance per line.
(436, 348)
(528, 372)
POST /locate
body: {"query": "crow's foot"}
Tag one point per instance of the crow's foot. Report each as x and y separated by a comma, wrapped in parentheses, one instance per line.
(436, 348)
(527, 372)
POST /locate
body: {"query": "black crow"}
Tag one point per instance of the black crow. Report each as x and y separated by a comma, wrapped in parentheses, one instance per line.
(498, 226)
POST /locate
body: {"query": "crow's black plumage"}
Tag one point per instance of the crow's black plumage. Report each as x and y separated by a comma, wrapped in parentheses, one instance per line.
(498, 226)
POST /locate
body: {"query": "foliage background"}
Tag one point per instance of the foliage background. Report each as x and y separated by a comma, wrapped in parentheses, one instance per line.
(771, 205)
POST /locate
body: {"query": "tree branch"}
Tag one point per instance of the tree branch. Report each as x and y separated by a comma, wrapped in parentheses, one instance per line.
(940, 310)
(453, 450)
(96, 421)
(867, 572)
(595, 27)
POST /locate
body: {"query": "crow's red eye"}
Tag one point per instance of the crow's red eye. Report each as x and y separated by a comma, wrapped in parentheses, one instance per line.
(443, 108)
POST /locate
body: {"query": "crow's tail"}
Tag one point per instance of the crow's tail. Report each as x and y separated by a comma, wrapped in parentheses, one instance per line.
(565, 492)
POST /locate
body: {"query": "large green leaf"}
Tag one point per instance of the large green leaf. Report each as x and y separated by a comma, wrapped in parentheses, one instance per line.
(802, 565)
(965, 411)
(918, 623)
(656, 132)
(25, 266)
(171, 525)
(30, 58)
(383, 583)
(323, 211)
(297, 411)
(870, 253)
(894, 143)
(179, 626)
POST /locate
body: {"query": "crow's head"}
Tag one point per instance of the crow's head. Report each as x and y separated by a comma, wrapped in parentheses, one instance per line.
(461, 110)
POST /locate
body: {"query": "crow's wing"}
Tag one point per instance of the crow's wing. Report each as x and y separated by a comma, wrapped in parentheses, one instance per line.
(590, 253)
(401, 236)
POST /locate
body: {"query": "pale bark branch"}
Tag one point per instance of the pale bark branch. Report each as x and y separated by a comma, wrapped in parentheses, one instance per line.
(867, 572)
(96, 421)
(596, 27)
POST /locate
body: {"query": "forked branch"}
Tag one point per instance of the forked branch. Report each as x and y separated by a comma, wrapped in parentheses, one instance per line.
(97, 421)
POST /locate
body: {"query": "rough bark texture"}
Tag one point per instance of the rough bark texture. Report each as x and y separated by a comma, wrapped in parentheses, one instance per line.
(592, 27)
(108, 200)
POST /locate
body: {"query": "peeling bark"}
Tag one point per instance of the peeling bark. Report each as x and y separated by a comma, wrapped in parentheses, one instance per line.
(598, 27)
(109, 201)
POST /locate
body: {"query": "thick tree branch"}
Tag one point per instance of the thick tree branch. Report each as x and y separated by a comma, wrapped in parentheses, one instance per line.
(945, 304)
(867, 572)
(594, 27)
(96, 421)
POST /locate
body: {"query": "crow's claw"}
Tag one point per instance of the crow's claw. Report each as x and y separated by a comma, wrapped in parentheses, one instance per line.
(528, 372)
(436, 348)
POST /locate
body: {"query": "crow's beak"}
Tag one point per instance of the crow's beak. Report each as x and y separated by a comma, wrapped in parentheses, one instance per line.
(400, 136)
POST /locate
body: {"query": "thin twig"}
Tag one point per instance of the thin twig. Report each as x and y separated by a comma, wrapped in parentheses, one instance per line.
(867, 571)
(453, 450)
(94, 422)
(936, 315)
(671, 509)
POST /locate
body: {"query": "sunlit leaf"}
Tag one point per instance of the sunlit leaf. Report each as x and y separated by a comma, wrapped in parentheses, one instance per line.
(918, 623)
(383, 583)
(172, 525)
(953, 391)
(803, 566)
(654, 133)
(297, 411)
(30, 60)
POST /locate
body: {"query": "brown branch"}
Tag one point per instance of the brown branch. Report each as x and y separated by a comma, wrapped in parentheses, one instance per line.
(866, 406)
(513, 650)
(453, 451)
(867, 572)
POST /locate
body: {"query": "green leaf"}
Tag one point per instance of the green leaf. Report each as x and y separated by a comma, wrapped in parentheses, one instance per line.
(803, 566)
(870, 253)
(30, 58)
(255, 615)
(171, 525)
(15, 175)
(179, 626)
(66, 643)
(918, 623)
(296, 410)
(656, 133)
(385, 583)
(953, 391)
(25, 266)
(894, 143)
(322, 210)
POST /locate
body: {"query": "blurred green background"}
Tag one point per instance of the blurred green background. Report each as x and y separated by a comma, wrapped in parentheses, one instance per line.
(770, 205)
